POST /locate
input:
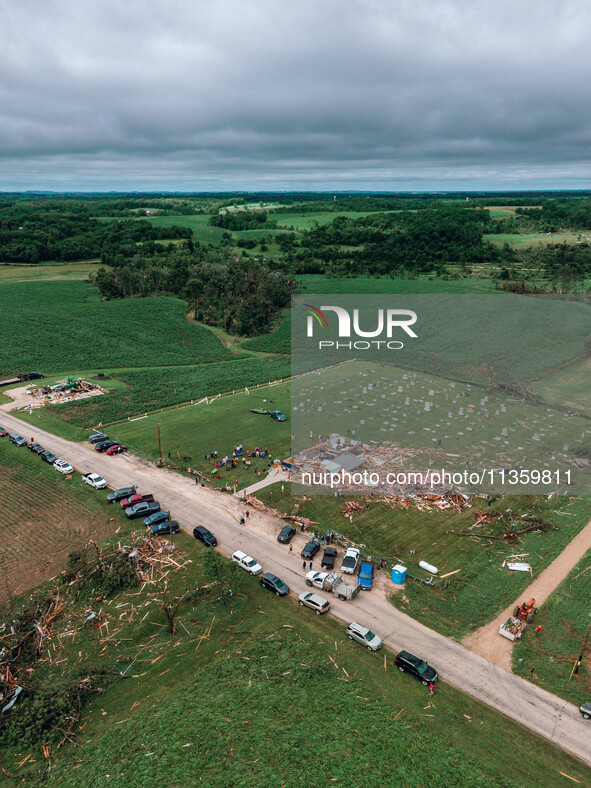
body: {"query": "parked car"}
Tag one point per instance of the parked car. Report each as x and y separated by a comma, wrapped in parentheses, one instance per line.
(316, 579)
(200, 532)
(350, 561)
(17, 439)
(157, 517)
(318, 603)
(142, 509)
(36, 447)
(364, 636)
(366, 575)
(136, 498)
(277, 415)
(94, 480)
(63, 467)
(30, 375)
(104, 445)
(3, 432)
(97, 437)
(274, 584)
(167, 527)
(417, 667)
(329, 558)
(47, 456)
(286, 534)
(247, 562)
(116, 449)
(310, 549)
(121, 493)
(585, 709)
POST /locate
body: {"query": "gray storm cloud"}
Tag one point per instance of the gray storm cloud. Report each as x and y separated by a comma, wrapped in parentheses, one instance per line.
(362, 94)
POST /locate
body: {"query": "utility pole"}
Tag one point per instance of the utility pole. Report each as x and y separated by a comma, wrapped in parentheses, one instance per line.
(580, 659)
(159, 449)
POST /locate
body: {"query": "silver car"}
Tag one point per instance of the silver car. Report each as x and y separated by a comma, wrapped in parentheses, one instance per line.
(314, 601)
(364, 636)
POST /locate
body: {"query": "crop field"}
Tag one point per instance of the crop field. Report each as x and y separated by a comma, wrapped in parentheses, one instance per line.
(191, 432)
(564, 618)
(278, 341)
(297, 222)
(482, 588)
(259, 676)
(368, 285)
(42, 518)
(155, 388)
(202, 231)
(54, 326)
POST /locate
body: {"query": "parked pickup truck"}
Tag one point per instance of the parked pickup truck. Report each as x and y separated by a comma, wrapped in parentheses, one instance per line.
(94, 480)
(247, 562)
(332, 581)
(350, 561)
(136, 498)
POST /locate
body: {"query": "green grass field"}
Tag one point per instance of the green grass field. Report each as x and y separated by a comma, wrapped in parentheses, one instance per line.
(520, 240)
(47, 272)
(564, 619)
(196, 430)
(360, 285)
(568, 387)
(56, 326)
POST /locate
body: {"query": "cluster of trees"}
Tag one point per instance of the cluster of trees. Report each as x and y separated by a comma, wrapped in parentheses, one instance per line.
(241, 297)
(32, 232)
(241, 220)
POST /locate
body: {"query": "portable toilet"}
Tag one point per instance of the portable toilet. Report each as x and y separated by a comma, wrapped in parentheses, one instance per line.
(398, 574)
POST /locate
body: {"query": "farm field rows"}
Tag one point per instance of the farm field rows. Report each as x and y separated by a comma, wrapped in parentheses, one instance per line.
(48, 272)
(65, 325)
(42, 518)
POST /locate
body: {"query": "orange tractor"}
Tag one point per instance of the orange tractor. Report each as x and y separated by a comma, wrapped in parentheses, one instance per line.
(526, 611)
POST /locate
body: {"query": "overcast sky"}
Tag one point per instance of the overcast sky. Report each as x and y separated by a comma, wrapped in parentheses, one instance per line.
(257, 94)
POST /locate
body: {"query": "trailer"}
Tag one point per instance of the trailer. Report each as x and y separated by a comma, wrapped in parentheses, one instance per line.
(334, 583)
(512, 628)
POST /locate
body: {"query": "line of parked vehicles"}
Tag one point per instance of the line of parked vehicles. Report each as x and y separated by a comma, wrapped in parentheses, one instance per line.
(160, 523)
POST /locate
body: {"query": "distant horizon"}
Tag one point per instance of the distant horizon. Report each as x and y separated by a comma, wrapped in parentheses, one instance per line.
(343, 192)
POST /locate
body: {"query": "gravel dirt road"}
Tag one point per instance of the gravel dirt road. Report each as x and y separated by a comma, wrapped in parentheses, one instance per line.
(539, 711)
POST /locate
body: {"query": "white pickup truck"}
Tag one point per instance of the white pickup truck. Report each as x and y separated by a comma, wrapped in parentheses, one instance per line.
(94, 480)
(350, 561)
(247, 562)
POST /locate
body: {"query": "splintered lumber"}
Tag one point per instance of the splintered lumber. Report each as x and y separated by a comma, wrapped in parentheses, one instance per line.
(448, 574)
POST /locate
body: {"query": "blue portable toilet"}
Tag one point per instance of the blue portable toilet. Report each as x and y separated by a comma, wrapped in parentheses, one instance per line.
(398, 574)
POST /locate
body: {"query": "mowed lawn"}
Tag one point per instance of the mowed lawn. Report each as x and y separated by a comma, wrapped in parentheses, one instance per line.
(54, 326)
(42, 518)
(519, 240)
(190, 432)
(482, 588)
(564, 618)
(43, 272)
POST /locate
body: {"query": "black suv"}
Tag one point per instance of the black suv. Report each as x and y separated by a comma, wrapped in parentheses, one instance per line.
(169, 527)
(329, 558)
(286, 534)
(104, 445)
(310, 549)
(36, 447)
(274, 584)
(97, 437)
(48, 457)
(200, 532)
(416, 666)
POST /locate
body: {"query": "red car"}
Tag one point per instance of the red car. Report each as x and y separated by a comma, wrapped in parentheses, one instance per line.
(117, 449)
(137, 498)
(3, 432)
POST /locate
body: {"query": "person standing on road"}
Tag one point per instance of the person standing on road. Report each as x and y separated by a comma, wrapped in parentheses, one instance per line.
(304, 566)
(247, 514)
(310, 564)
(290, 549)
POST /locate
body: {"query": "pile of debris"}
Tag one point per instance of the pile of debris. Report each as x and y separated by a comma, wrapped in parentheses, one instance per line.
(66, 390)
(427, 501)
(305, 522)
(153, 560)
